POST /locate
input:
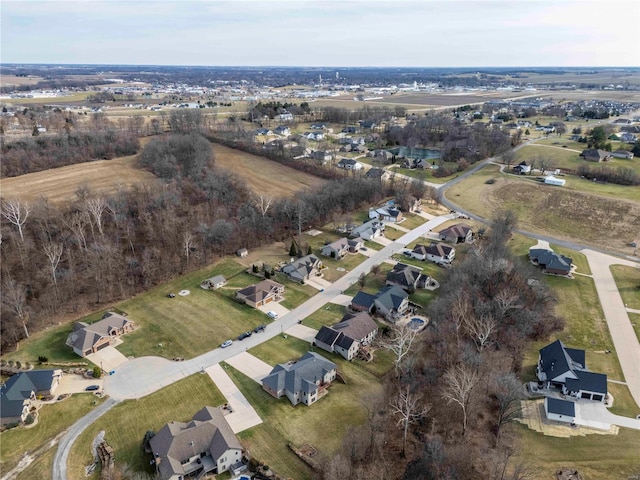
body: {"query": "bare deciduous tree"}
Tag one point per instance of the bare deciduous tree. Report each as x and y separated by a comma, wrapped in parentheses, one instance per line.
(410, 408)
(53, 251)
(480, 328)
(16, 212)
(264, 203)
(508, 393)
(76, 222)
(507, 300)
(187, 243)
(458, 383)
(96, 207)
(399, 342)
(14, 297)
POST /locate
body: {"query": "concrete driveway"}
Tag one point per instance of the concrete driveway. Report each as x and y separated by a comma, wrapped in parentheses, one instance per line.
(344, 300)
(274, 307)
(596, 415)
(72, 383)
(318, 283)
(108, 358)
(302, 332)
(385, 242)
(251, 366)
(243, 415)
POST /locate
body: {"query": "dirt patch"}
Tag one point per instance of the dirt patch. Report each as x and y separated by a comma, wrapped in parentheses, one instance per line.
(60, 184)
(264, 176)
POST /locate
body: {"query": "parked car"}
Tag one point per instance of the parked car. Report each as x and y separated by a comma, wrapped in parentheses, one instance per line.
(226, 344)
(244, 335)
(272, 314)
(260, 328)
(407, 253)
(92, 388)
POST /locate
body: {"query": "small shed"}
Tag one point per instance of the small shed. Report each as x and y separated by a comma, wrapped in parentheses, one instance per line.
(242, 252)
(560, 410)
(214, 283)
(551, 180)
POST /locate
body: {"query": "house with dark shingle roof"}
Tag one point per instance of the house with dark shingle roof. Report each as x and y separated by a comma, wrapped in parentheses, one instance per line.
(303, 381)
(350, 164)
(407, 277)
(552, 262)
(438, 253)
(336, 249)
(595, 155)
(377, 173)
(346, 337)
(204, 445)
(303, 268)
(20, 390)
(565, 368)
(458, 233)
(390, 302)
(261, 293)
(89, 338)
(560, 410)
(368, 230)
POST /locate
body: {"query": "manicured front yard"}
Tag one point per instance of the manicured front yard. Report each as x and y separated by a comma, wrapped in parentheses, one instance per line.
(53, 419)
(411, 221)
(578, 259)
(327, 315)
(126, 423)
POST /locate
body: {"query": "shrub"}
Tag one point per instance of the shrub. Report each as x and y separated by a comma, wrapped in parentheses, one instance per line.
(18, 364)
(30, 419)
(42, 359)
(491, 181)
(97, 372)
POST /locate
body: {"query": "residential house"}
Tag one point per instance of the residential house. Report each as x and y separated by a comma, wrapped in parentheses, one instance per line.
(355, 245)
(303, 268)
(20, 391)
(552, 262)
(458, 233)
(282, 130)
(560, 410)
(389, 214)
(350, 164)
(595, 155)
(262, 132)
(336, 249)
(522, 168)
(214, 283)
(346, 148)
(285, 117)
(242, 252)
(391, 302)
(626, 154)
(630, 128)
(622, 121)
(303, 381)
(346, 337)
(316, 136)
(628, 137)
(261, 293)
(377, 173)
(89, 338)
(368, 124)
(206, 444)
(385, 155)
(438, 253)
(565, 368)
(349, 129)
(407, 277)
(368, 230)
(323, 156)
(318, 126)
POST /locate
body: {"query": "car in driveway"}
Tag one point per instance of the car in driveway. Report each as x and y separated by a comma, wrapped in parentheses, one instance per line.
(226, 344)
(92, 388)
(244, 335)
(272, 314)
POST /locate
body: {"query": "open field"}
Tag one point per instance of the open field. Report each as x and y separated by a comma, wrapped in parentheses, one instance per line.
(628, 282)
(264, 176)
(565, 212)
(60, 184)
(126, 423)
(53, 419)
(14, 80)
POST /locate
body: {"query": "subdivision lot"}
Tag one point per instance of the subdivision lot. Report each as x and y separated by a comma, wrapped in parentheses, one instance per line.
(264, 176)
(60, 184)
(628, 282)
(562, 212)
(126, 423)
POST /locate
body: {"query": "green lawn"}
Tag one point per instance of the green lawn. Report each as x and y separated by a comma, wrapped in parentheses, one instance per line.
(623, 402)
(348, 263)
(634, 318)
(411, 221)
(519, 245)
(126, 423)
(40, 468)
(53, 419)
(596, 457)
(628, 282)
(327, 315)
(373, 282)
(392, 233)
(294, 293)
(323, 424)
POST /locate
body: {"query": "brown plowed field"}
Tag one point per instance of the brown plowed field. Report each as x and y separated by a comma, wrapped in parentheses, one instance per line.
(60, 184)
(264, 176)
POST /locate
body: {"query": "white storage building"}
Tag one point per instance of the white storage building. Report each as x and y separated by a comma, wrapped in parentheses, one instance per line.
(551, 180)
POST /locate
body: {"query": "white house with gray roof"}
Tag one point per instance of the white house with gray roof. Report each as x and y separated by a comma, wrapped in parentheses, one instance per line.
(346, 336)
(303, 381)
(303, 268)
(369, 230)
(204, 445)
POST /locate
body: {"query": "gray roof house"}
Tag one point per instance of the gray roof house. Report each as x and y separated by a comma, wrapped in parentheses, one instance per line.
(349, 164)
(377, 173)
(439, 253)
(390, 302)
(407, 277)
(336, 249)
(261, 293)
(21, 389)
(204, 445)
(458, 233)
(368, 230)
(565, 368)
(303, 268)
(346, 337)
(560, 410)
(89, 338)
(214, 282)
(595, 155)
(303, 381)
(552, 262)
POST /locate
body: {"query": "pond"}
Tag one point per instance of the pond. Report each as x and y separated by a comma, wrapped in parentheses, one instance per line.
(414, 153)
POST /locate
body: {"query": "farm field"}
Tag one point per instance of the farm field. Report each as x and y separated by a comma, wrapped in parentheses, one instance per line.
(264, 176)
(60, 184)
(565, 212)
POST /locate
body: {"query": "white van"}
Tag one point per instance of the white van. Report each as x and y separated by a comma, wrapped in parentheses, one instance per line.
(272, 314)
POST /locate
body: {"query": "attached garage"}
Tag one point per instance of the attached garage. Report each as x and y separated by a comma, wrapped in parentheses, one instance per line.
(559, 410)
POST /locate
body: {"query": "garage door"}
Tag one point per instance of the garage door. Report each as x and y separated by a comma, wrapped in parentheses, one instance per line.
(597, 397)
(586, 396)
(104, 345)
